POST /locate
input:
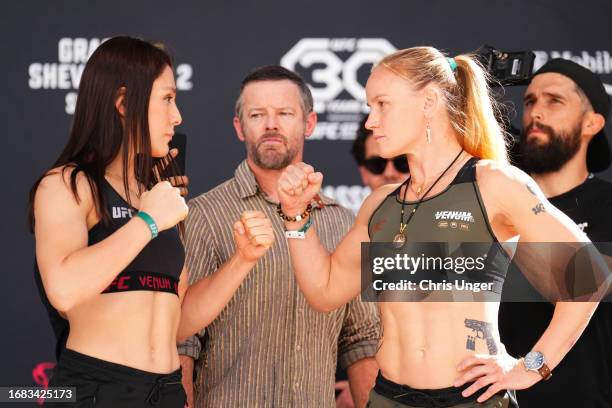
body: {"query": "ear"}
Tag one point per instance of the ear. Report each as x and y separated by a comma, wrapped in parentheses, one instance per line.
(365, 176)
(238, 128)
(311, 123)
(430, 101)
(592, 124)
(120, 101)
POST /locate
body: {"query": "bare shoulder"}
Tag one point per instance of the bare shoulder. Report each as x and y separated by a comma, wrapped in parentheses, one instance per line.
(55, 187)
(494, 177)
(372, 202)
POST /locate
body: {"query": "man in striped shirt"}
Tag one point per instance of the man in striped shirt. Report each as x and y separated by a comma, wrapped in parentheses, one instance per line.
(268, 348)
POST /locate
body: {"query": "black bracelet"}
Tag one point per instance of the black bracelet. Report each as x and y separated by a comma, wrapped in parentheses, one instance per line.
(300, 217)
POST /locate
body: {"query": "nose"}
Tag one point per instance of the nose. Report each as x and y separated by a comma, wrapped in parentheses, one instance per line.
(534, 112)
(177, 119)
(372, 121)
(390, 172)
(271, 121)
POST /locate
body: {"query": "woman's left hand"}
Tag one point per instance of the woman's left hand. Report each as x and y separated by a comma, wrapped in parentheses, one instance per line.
(499, 372)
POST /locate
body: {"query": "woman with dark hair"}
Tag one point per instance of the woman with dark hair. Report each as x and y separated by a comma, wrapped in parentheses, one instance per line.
(107, 244)
(438, 111)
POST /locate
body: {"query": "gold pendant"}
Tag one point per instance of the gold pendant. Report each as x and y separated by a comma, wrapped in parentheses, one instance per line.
(399, 240)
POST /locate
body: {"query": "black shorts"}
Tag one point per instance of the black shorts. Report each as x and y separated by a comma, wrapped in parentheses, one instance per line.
(101, 383)
(388, 394)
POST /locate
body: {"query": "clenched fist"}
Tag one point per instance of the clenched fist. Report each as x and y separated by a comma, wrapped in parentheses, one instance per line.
(297, 186)
(164, 204)
(253, 235)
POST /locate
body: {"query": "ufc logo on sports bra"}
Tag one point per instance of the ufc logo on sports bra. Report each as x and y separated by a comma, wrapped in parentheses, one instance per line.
(454, 219)
(122, 212)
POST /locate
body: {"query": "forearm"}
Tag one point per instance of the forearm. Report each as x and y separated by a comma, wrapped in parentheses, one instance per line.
(567, 324)
(88, 271)
(362, 376)
(312, 266)
(205, 299)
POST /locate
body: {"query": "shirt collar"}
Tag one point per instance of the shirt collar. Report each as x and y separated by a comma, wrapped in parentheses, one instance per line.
(248, 186)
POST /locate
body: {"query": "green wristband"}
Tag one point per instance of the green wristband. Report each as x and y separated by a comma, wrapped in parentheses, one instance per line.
(150, 223)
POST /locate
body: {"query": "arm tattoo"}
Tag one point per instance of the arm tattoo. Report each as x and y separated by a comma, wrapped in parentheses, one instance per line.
(483, 331)
(538, 209)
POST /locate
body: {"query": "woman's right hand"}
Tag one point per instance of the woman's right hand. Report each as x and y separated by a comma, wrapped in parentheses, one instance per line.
(297, 186)
(164, 204)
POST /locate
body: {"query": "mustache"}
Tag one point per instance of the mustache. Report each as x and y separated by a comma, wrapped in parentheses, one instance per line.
(545, 128)
(271, 135)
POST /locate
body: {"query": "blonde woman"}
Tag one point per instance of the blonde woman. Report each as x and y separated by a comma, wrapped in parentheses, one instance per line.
(438, 112)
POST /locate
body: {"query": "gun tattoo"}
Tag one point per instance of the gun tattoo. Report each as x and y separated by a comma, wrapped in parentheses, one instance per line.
(483, 331)
(538, 209)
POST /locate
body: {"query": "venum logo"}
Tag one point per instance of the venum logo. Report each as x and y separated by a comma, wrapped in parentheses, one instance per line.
(454, 219)
(600, 62)
(72, 54)
(336, 70)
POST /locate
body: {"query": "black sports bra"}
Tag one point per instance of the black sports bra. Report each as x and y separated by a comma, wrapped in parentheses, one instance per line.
(157, 267)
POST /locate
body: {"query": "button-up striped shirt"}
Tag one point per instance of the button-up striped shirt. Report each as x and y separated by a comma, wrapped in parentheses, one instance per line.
(268, 348)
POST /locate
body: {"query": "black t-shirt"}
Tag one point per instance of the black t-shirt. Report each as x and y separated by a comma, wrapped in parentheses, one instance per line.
(584, 377)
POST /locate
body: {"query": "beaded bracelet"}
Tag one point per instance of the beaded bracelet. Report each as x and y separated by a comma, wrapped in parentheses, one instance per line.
(300, 217)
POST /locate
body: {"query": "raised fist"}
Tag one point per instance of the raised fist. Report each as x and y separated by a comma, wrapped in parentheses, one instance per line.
(253, 235)
(297, 186)
(164, 204)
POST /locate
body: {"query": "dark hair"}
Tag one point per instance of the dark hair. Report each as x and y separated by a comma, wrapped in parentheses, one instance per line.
(119, 65)
(358, 147)
(276, 73)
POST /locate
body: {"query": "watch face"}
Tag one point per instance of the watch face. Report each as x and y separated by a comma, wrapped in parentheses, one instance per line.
(534, 360)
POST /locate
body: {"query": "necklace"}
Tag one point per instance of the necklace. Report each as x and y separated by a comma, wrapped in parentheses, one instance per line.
(400, 238)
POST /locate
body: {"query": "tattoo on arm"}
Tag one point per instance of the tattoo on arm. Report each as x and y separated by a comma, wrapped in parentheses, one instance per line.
(483, 331)
(538, 209)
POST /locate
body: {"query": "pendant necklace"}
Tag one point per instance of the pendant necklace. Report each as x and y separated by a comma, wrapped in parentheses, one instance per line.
(400, 238)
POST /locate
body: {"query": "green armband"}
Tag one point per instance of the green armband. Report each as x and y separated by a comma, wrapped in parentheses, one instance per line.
(150, 223)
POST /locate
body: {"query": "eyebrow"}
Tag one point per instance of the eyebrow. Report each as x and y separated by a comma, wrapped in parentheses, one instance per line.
(376, 97)
(169, 88)
(531, 96)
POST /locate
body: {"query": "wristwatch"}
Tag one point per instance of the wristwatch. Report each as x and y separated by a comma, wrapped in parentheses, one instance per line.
(535, 361)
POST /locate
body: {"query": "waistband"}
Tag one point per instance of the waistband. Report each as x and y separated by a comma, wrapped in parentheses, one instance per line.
(90, 365)
(143, 280)
(435, 398)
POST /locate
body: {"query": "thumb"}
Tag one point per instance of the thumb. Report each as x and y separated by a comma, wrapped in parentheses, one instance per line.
(240, 237)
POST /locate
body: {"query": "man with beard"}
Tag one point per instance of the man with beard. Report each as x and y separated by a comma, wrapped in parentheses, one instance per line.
(563, 143)
(268, 348)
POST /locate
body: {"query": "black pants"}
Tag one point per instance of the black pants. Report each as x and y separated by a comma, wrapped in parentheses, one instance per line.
(387, 394)
(101, 383)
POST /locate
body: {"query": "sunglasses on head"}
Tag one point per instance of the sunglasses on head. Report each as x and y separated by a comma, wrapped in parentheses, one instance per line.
(377, 165)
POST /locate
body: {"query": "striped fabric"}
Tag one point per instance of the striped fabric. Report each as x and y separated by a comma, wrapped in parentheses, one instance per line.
(268, 348)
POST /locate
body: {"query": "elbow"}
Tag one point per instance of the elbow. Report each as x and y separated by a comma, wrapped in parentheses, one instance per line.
(181, 336)
(321, 306)
(60, 298)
